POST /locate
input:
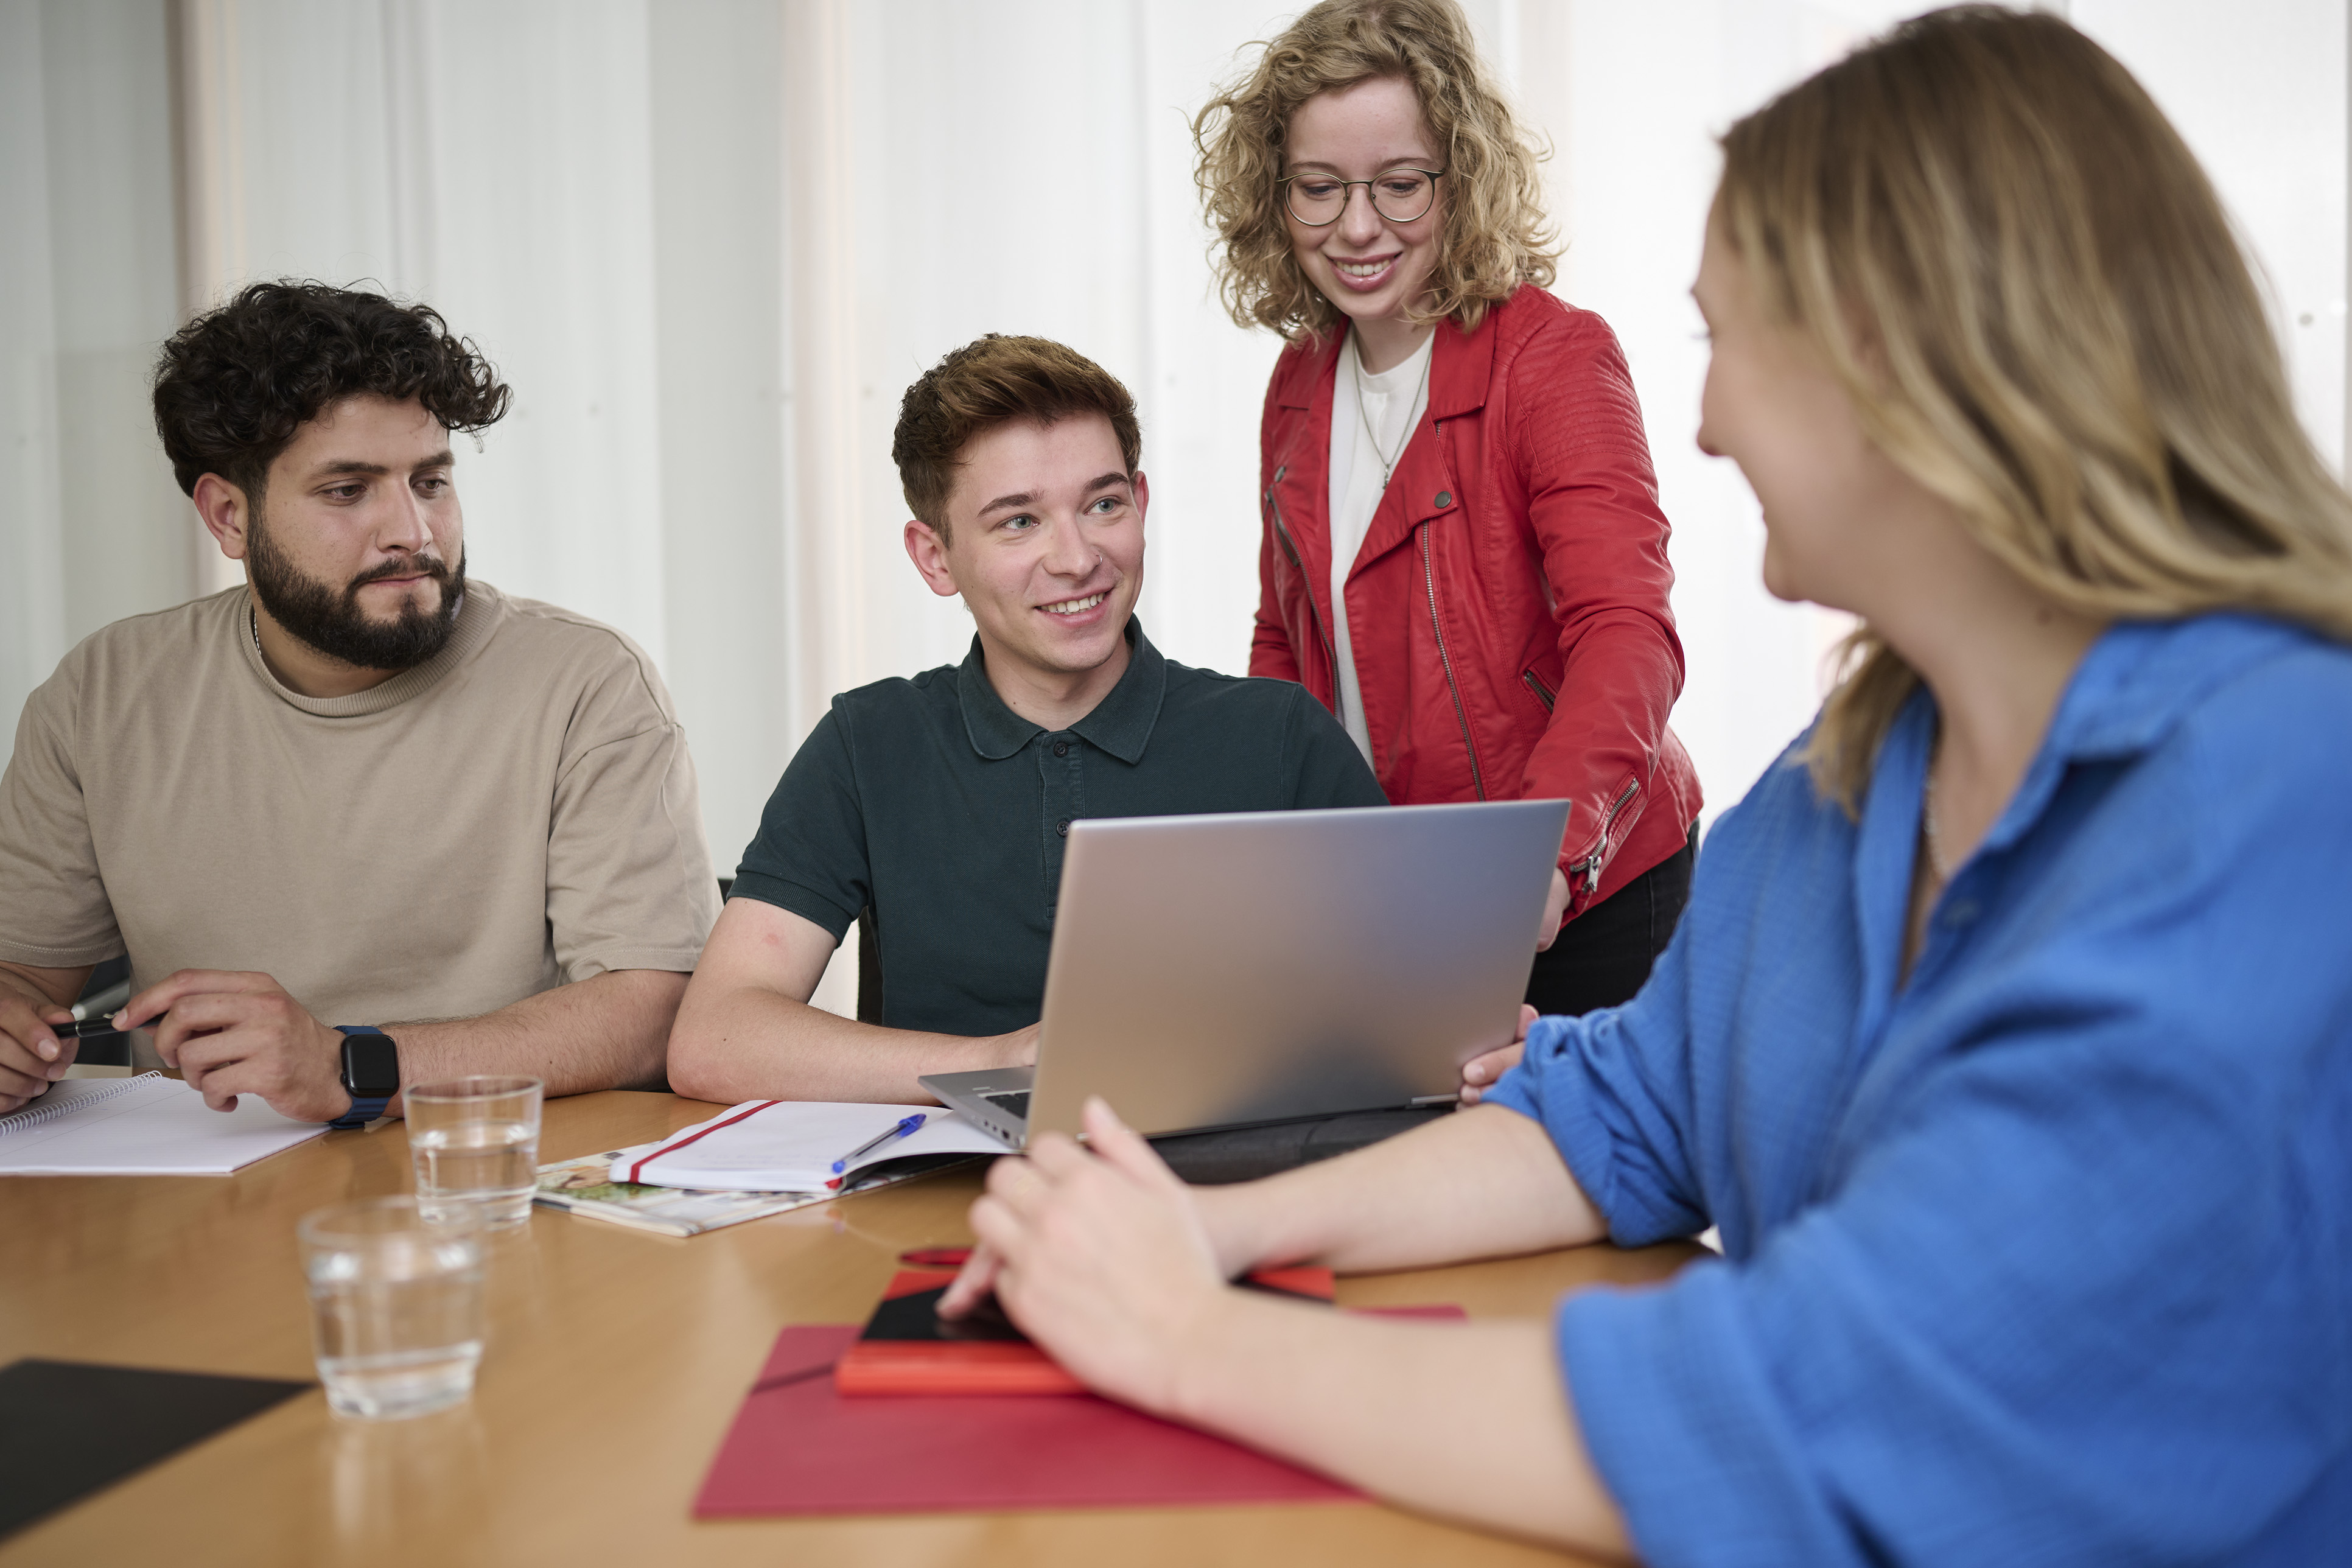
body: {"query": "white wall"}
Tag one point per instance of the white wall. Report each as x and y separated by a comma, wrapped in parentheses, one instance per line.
(88, 514)
(717, 122)
(33, 629)
(2257, 89)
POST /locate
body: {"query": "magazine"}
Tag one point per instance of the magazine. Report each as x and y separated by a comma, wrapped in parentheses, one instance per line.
(585, 1185)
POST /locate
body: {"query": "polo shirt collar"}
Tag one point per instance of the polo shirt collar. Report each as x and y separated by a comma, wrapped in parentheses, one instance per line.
(1121, 723)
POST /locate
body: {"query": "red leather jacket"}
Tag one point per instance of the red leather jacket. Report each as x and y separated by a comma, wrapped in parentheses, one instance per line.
(1508, 606)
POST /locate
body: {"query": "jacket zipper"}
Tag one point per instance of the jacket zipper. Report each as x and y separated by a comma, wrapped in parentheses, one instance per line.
(1462, 716)
(1543, 693)
(1314, 611)
(1590, 866)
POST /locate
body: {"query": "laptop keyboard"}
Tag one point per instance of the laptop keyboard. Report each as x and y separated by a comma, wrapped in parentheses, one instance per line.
(1012, 1103)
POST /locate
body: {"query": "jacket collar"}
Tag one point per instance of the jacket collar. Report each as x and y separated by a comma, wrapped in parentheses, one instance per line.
(1121, 723)
(1459, 368)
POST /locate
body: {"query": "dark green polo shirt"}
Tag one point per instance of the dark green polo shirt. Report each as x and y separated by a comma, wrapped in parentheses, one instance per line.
(931, 801)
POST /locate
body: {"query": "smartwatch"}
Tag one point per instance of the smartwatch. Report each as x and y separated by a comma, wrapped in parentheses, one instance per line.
(371, 1073)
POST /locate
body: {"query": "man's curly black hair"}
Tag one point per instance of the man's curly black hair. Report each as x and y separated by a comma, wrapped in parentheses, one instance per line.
(232, 386)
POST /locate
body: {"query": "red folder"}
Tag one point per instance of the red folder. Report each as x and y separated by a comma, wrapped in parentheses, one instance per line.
(799, 1446)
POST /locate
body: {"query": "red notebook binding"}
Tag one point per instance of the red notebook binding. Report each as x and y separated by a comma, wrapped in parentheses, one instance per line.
(907, 1348)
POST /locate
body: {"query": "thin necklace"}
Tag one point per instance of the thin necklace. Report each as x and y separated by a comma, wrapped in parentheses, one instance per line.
(1388, 464)
(1936, 862)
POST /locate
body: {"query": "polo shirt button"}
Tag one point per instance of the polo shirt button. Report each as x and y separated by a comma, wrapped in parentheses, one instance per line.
(1445, 497)
(1063, 827)
(1060, 748)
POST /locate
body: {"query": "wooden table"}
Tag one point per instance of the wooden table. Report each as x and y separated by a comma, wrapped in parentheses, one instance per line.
(616, 1358)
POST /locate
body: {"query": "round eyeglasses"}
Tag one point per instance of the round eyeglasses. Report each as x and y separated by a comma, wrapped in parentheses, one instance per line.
(1400, 195)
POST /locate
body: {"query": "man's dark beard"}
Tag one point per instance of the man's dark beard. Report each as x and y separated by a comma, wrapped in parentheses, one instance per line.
(332, 622)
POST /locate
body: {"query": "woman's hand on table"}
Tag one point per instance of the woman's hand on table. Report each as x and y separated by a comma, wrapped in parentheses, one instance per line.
(1479, 1073)
(1101, 1255)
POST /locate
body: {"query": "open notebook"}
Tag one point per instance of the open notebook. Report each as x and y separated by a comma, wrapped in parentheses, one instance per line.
(794, 1145)
(145, 1126)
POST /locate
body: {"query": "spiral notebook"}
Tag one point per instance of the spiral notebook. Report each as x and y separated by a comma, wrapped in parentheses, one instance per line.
(145, 1126)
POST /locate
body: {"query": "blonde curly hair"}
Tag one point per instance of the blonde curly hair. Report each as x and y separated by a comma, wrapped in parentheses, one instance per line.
(1495, 236)
(2031, 292)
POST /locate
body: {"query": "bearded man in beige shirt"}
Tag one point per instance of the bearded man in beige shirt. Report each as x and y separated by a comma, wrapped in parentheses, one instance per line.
(359, 799)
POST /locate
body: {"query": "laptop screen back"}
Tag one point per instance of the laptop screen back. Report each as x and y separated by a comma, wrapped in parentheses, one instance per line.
(1221, 970)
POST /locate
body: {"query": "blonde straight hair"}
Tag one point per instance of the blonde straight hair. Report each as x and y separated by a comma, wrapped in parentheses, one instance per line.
(2029, 290)
(1495, 236)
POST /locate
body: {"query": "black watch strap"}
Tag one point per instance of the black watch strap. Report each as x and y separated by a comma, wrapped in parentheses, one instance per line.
(371, 1092)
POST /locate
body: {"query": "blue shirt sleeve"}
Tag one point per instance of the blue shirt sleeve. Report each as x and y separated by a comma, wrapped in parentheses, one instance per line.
(2071, 1315)
(1612, 1088)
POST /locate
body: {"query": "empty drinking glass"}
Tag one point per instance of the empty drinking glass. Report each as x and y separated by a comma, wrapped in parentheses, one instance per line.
(476, 1145)
(395, 1306)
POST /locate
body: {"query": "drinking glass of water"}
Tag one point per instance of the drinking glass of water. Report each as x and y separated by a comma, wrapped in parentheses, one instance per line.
(476, 1145)
(395, 1306)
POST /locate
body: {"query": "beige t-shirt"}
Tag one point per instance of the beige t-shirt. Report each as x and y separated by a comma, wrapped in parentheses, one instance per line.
(517, 812)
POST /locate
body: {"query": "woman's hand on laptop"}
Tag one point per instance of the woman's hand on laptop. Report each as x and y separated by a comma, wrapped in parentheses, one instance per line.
(1101, 1255)
(1479, 1073)
(1555, 910)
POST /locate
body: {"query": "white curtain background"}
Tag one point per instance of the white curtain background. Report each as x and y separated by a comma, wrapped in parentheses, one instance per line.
(710, 242)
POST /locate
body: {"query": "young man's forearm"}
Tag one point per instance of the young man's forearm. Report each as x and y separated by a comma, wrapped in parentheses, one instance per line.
(750, 1042)
(609, 1031)
(1483, 1182)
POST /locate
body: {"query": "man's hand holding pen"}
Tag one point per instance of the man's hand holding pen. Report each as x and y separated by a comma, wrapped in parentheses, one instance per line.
(37, 1041)
(233, 1033)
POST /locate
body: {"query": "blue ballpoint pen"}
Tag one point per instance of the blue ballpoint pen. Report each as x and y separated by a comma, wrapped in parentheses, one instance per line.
(873, 1144)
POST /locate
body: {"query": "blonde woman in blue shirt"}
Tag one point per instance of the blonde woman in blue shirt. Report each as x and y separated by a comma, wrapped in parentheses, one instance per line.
(2007, 1035)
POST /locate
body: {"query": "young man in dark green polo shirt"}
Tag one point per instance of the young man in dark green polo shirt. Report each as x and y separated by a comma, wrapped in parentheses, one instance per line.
(937, 807)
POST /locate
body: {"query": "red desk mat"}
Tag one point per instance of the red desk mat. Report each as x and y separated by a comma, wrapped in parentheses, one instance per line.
(799, 1447)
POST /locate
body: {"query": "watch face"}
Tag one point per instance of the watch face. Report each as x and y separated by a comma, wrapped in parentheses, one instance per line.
(370, 1066)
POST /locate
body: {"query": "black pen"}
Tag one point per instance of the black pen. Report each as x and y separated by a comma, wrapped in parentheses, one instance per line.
(86, 1029)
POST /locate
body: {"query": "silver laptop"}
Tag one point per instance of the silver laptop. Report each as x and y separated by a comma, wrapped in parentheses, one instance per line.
(1222, 970)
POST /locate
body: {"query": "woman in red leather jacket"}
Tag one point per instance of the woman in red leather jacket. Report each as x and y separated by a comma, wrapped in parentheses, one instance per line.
(1464, 556)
